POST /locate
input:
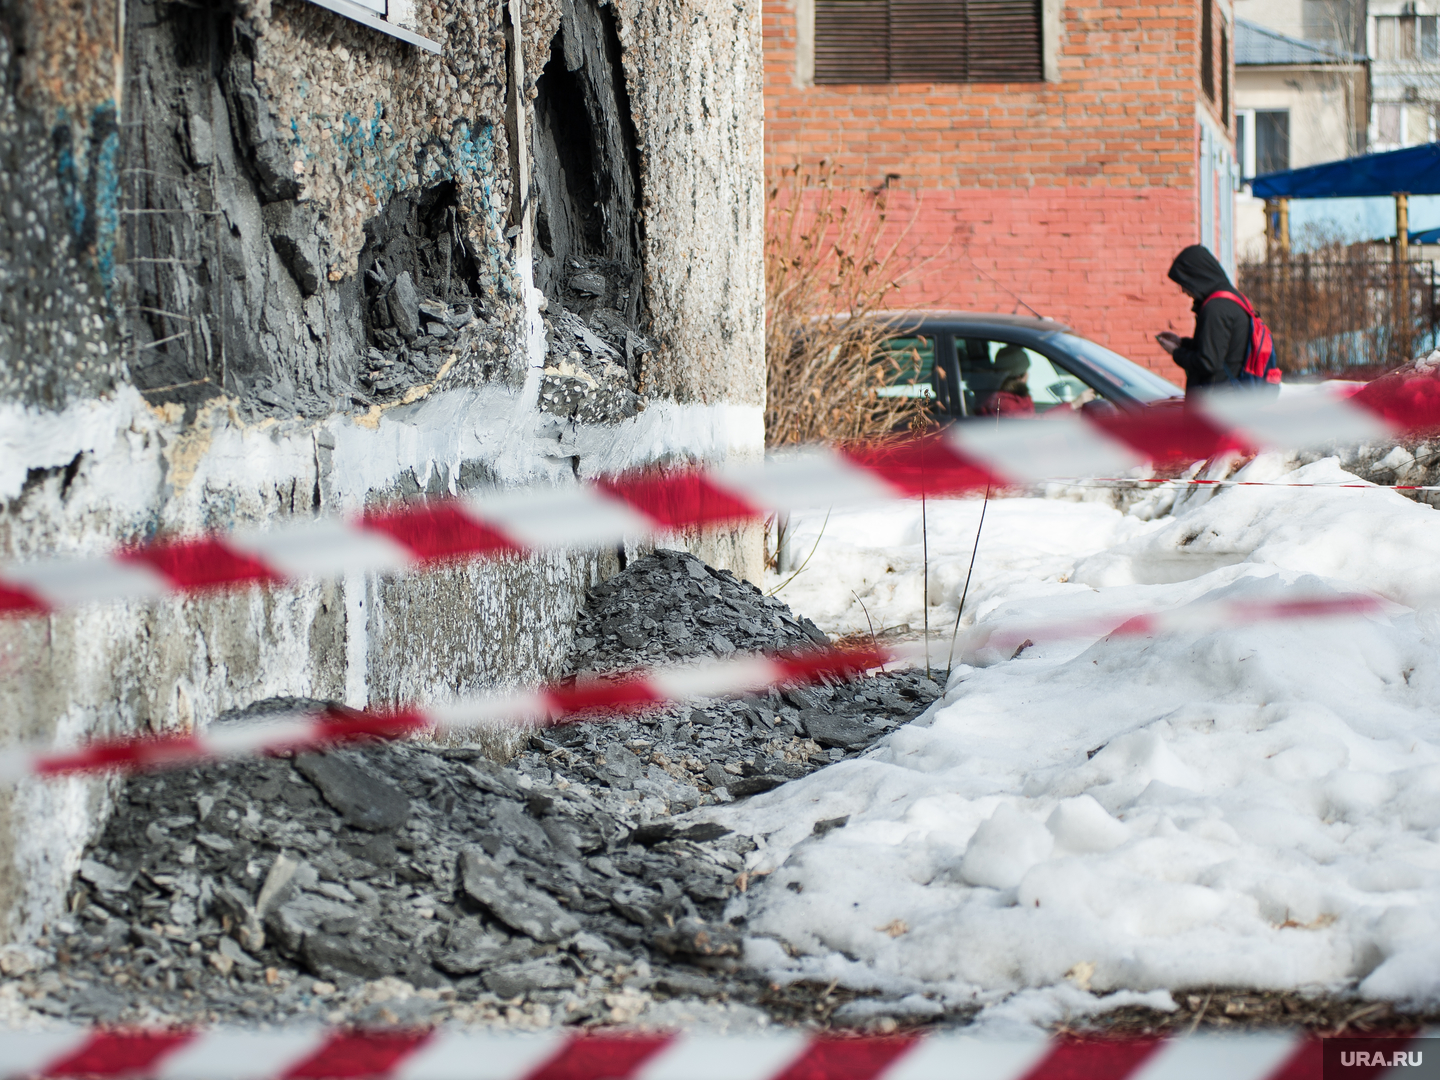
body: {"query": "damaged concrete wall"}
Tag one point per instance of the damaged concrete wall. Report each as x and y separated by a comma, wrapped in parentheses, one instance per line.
(257, 262)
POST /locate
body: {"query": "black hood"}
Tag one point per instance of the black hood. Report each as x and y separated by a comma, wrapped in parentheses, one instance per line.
(1196, 270)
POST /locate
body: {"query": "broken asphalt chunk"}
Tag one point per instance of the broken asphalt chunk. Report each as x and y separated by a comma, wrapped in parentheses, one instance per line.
(506, 895)
(361, 798)
(830, 730)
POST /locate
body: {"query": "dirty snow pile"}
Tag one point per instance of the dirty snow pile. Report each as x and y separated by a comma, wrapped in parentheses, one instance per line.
(1251, 806)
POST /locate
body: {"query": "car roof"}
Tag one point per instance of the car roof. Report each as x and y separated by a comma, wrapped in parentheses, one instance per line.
(950, 319)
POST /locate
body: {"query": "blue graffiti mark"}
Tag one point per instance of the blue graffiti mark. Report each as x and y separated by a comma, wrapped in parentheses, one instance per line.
(371, 154)
(72, 198)
(89, 185)
(106, 174)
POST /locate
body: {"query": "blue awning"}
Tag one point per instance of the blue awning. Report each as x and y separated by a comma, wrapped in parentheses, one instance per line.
(1415, 170)
(1426, 236)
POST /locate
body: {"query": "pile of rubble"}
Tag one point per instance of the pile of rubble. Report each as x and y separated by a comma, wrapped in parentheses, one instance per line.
(410, 883)
(415, 338)
(594, 346)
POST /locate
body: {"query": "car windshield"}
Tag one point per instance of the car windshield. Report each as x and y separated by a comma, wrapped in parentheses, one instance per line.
(1140, 384)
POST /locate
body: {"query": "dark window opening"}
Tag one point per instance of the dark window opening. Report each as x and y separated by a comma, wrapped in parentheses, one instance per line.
(1207, 50)
(1224, 76)
(1272, 141)
(873, 41)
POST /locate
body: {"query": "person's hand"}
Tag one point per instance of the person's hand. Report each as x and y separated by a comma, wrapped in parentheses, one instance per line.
(1168, 340)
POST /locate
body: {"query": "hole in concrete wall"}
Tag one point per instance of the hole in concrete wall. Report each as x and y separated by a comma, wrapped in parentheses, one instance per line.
(569, 220)
(586, 168)
(222, 252)
(202, 30)
(422, 287)
(416, 252)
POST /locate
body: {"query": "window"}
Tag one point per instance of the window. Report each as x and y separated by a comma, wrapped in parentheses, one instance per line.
(871, 41)
(914, 360)
(1049, 386)
(1207, 50)
(1406, 37)
(1389, 123)
(1272, 140)
(1224, 76)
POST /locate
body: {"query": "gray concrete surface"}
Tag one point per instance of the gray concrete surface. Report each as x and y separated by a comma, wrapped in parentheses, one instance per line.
(269, 263)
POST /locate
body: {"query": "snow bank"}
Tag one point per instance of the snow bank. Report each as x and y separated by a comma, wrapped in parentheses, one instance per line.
(864, 568)
(1255, 806)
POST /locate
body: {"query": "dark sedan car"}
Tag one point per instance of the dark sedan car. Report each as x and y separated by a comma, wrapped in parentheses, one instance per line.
(949, 356)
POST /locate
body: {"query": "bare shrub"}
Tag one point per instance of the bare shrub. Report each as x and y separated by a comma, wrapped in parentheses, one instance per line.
(829, 270)
(1343, 308)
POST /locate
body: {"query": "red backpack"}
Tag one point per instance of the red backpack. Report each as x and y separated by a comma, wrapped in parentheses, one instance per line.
(1260, 366)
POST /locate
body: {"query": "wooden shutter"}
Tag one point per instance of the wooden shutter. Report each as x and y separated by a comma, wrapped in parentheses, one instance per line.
(852, 41)
(1004, 44)
(956, 41)
(928, 41)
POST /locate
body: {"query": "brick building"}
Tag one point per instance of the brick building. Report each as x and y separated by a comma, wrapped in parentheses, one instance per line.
(1051, 153)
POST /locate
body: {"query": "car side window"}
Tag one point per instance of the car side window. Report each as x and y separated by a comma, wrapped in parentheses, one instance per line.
(984, 372)
(912, 363)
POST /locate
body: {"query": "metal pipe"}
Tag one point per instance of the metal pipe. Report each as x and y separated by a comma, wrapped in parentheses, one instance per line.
(1402, 227)
(1277, 229)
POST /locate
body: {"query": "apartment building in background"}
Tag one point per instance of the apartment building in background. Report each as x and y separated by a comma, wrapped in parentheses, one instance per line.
(1044, 155)
(1302, 97)
(1403, 42)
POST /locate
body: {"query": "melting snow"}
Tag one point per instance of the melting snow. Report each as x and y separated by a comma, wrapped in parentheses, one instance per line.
(1254, 806)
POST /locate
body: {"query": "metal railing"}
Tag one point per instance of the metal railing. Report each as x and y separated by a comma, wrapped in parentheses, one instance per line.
(1333, 316)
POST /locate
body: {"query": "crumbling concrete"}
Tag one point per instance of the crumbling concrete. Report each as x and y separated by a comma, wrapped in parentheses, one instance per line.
(260, 262)
(414, 884)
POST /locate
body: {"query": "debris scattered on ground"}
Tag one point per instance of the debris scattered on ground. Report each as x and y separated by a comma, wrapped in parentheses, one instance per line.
(595, 347)
(410, 883)
(1216, 1010)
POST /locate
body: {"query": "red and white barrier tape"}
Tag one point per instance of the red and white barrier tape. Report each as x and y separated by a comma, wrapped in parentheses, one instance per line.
(561, 703)
(1181, 482)
(557, 703)
(966, 457)
(457, 1055)
(1191, 618)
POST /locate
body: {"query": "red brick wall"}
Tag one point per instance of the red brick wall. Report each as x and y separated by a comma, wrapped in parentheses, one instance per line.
(1073, 194)
(1092, 257)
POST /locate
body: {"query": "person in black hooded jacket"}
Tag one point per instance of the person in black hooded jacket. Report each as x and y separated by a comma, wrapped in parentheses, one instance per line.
(1215, 354)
